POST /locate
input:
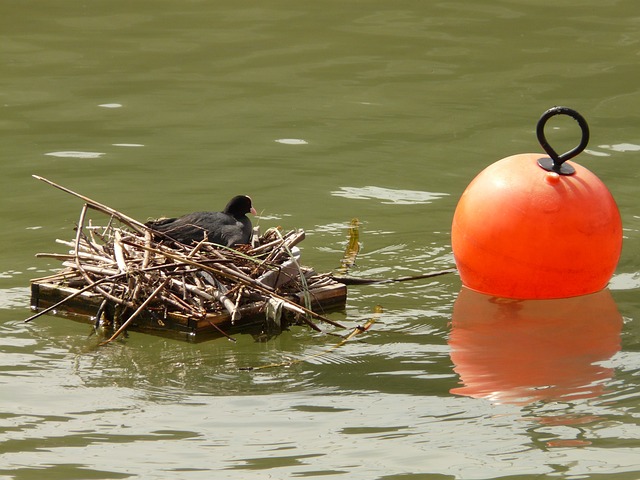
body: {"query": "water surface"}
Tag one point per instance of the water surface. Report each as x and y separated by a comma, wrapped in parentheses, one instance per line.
(383, 111)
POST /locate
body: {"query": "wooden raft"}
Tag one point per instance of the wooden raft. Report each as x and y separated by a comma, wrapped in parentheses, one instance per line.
(326, 296)
(125, 275)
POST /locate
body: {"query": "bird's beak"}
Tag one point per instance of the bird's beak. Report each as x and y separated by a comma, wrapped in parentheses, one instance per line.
(253, 211)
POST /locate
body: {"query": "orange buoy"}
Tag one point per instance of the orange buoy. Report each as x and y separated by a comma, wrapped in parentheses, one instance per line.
(522, 351)
(536, 227)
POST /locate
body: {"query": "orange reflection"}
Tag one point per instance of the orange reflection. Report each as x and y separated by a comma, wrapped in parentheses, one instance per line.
(521, 351)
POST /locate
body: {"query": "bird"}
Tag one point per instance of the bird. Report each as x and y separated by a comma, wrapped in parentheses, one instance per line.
(229, 227)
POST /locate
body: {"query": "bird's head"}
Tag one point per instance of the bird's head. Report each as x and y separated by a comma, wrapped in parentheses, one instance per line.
(240, 205)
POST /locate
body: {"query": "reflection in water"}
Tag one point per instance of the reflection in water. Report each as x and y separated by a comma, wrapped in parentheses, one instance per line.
(512, 351)
(165, 370)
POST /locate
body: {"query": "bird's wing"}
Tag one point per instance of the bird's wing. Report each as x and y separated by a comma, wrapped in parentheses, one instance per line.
(160, 223)
(184, 229)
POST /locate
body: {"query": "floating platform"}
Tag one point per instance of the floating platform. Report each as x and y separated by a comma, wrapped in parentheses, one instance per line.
(325, 294)
(126, 275)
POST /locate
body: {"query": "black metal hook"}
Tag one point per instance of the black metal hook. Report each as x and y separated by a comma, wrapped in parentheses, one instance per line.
(556, 162)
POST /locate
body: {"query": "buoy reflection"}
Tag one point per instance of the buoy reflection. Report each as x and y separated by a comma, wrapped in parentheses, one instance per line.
(522, 351)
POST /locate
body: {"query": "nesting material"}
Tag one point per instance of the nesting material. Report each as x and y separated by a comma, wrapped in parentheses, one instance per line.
(125, 276)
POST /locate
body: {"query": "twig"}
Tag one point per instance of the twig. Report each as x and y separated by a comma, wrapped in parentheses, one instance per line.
(73, 295)
(241, 278)
(371, 281)
(71, 256)
(219, 269)
(236, 307)
(147, 254)
(142, 306)
(136, 225)
(225, 334)
(79, 266)
(118, 252)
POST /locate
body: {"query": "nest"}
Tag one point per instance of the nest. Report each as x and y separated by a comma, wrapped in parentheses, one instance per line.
(135, 271)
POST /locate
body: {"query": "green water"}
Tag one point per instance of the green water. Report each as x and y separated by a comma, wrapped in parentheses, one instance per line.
(322, 112)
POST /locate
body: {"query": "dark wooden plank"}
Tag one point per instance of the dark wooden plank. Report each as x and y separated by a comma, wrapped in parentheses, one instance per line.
(327, 298)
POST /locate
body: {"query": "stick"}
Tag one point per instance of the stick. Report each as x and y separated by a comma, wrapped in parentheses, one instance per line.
(222, 331)
(236, 306)
(147, 241)
(247, 281)
(220, 269)
(69, 256)
(220, 294)
(133, 223)
(118, 252)
(267, 246)
(73, 295)
(84, 274)
(112, 275)
(142, 306)
(55, 277)
(370, 281)
(215, 295)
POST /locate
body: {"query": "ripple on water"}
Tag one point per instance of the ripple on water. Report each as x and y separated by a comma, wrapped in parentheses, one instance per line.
(388, 195)
(625, 281)
(75, 154)
(292, 141)
(16, 297)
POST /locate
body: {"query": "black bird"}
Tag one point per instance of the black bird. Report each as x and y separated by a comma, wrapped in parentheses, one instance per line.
(229, 227)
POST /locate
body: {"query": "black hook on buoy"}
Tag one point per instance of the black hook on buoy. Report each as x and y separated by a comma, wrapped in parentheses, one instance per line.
(556, 162)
